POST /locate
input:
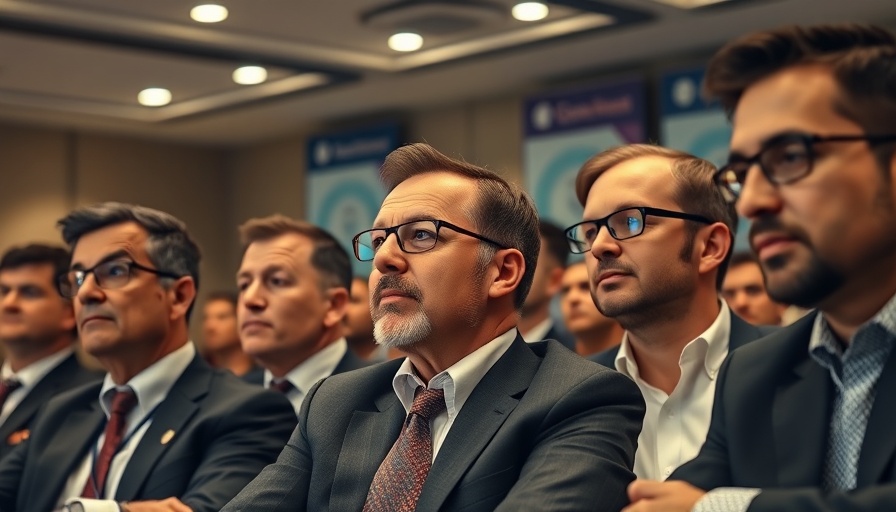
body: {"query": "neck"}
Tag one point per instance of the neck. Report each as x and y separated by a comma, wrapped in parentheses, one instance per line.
(859, 299)
(232, 358)
(532, 318)
(22, 355)
(657, 343)
(600, 339)
(443, 349)
(284, 361)
(124, 368)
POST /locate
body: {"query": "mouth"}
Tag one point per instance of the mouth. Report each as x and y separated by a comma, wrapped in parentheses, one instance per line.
(390, 296)
(769, 245)
(610, 276)
(94, 319)
(255, 324)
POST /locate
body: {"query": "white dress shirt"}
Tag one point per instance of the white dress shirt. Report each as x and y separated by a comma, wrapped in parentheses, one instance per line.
(539, 332)
(675, 426)
(306, 374)
(29, 376)
(457, 382)
(151, 387)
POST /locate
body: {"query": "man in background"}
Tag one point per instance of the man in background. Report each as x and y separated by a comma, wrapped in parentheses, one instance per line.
(536, 323)
(38, 334)
(359, 324)
(220, 336)
(594, 333)
(744, 291)
(293, 286)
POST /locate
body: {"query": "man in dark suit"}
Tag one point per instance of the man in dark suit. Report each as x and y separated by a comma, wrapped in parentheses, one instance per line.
(163, 431)
(657, 238)
(37, 331)
(293, 284)
(474, 418)
(803, 419)
(536, 323)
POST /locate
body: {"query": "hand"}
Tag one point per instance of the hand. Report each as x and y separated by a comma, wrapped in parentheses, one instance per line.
(166, 505)
(674, 496)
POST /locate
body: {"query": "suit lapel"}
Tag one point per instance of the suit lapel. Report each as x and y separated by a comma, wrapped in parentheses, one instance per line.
(879, 444)
(173, 413)
(37, 397)
(493, 399)
(368, 439)
(742, 332)
(801, 414)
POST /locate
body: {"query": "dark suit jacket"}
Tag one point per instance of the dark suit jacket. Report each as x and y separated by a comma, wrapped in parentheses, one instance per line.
(770, 430)
(349, 362)
(67, 375)
(742, 332)
(226, 431)
(543, 430)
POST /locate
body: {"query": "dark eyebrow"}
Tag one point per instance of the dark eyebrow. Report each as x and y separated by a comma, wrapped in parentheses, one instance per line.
(117, 255)
(413, 218)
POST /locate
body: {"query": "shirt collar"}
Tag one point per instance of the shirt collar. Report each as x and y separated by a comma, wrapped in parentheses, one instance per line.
(319, 366)
(34, 372)
(540, 331)
(459, 380)
(153, 383)
(822, 335)
(711, 346)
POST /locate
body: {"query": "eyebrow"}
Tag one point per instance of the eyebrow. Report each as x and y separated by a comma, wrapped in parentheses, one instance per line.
(117, 255)
(413, 218)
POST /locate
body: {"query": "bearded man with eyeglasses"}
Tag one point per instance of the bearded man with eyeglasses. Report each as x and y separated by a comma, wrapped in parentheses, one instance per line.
(474, 418)
(803, 419)
(163, 431)
(657, 239)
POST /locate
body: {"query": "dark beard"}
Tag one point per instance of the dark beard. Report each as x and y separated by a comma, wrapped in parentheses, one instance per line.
(807, 288)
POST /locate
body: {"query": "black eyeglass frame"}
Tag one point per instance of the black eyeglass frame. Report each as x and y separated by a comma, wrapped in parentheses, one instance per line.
(574, 244)
(808, 141)
(439, 224)
(63, 282)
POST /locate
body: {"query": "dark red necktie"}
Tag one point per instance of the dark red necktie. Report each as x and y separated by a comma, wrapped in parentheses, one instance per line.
(284, 386)
(123, 403)
(7, 386)
(399, 480)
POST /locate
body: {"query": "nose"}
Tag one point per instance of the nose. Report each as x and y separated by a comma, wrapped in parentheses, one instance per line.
(10, 301)
(759, 196)
(252, 297)
(89, 292)
(389, 258)
(604, 245)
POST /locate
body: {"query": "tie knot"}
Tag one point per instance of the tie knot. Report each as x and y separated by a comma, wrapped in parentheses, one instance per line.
(284, 386)
(428, 402)
(123, 401)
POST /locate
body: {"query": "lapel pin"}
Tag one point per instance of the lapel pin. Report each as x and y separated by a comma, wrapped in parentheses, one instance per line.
(167, 436)
(18, 436)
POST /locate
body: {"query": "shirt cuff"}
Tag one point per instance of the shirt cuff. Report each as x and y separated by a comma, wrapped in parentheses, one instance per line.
(726, 499)
(91, 505)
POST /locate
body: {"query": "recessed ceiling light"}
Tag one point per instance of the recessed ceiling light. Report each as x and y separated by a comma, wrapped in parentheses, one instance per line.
(154, 97)
(250, 75)
(530, 11)
(405, 42)
(209, 13)
(690, 4)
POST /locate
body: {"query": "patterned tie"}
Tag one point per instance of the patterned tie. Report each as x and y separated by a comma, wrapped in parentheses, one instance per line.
(7, 386)
(399, 480)
(122, 404)
(859, 371)
(284, 386)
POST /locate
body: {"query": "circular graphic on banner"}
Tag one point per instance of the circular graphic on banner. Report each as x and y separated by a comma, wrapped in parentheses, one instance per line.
(346, 211)
(554, 193)
(712, 145)
(542, 116)
(684, 92)
(322, 153)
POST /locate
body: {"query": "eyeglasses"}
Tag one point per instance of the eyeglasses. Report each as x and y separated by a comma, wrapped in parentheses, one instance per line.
(413, 237)
(782, 159)
(109, 275)
(622, 225)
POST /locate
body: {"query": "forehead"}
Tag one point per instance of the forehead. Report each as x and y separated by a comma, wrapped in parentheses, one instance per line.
(219, 305)
(440, 195)
(575, 273)
(31, 273)
(641, 181)
(800, 99)
(748, 270)
(290, 250)
(128, 237)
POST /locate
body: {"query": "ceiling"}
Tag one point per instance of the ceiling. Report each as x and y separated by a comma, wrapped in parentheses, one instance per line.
(80, 63)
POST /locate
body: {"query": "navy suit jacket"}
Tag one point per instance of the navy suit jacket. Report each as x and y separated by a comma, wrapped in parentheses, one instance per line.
(543, 430)
(68, 374)
(350, 361)
(742, 332)
(769, 430)
(225, 432)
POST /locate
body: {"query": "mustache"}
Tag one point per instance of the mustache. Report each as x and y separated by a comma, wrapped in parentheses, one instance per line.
(769, 224)
(393, 282)
(607, 265)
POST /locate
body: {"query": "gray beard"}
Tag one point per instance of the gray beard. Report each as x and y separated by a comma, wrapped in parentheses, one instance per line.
(399, 332)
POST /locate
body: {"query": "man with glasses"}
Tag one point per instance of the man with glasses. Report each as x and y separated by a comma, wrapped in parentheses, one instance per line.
(163, 431)
(657, 239)
(803, 420)
(474, 418)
